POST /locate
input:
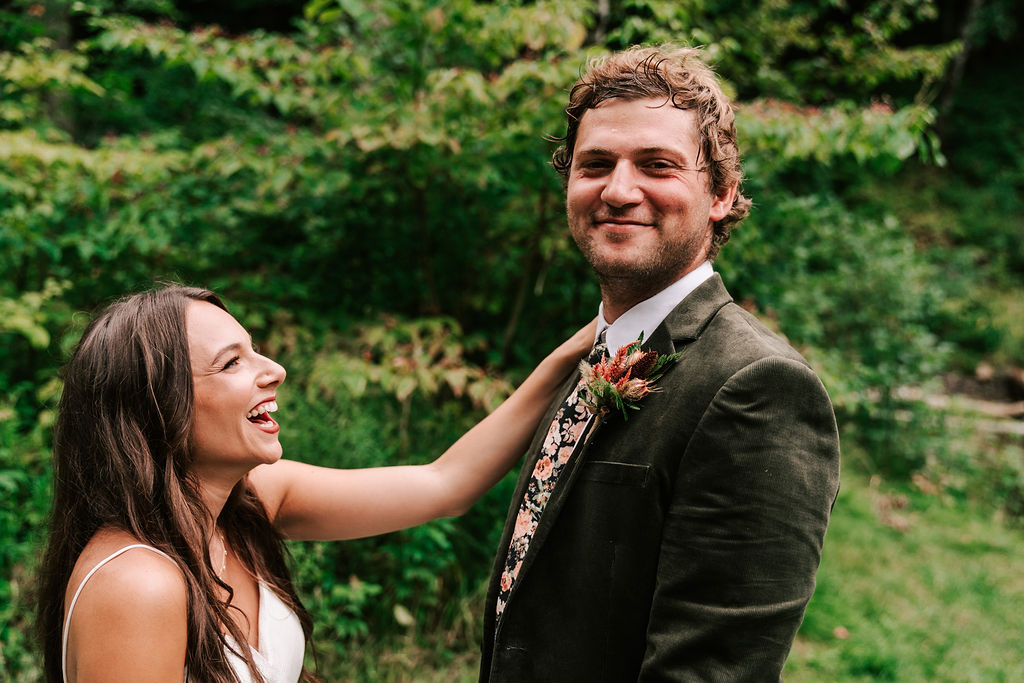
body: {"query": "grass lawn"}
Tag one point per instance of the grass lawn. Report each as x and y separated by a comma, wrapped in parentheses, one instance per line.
(913, 587)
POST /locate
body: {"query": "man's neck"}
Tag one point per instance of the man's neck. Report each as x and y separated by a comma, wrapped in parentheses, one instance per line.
(618, 295)
(614, 304)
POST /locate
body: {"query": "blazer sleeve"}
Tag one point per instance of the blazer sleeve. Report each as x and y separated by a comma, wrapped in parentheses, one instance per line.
(744, 529)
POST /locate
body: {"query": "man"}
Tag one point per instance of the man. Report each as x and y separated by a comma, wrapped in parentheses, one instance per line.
(680, 544)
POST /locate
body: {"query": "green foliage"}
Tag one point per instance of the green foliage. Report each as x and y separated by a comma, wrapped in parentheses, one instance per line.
(401, 358)
(26, 315)
(30, 74)
(967, 218)
(781, 135)
(803, 52)
(378, 118)
(25, 490)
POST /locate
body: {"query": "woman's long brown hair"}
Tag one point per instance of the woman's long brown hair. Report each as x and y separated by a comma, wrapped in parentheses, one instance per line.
(121, 459)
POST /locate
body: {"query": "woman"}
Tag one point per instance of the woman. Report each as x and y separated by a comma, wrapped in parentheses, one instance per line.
(165, 557)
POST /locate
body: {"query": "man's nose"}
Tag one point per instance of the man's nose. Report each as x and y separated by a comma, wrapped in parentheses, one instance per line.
(623, 187)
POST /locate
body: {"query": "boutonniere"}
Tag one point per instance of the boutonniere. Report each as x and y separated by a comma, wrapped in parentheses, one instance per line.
(622, 380)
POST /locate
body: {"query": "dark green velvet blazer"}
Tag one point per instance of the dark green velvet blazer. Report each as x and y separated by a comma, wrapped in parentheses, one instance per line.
(682, 544)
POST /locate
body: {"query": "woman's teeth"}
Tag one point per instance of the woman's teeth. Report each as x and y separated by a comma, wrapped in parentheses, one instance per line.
(261, 409)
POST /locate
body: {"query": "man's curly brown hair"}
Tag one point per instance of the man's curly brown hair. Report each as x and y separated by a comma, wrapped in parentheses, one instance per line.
(680, 76)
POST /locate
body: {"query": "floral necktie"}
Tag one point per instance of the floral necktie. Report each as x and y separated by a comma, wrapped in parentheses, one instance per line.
(558, 446)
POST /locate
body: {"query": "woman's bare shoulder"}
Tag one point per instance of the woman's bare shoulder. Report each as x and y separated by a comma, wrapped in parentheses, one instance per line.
(137, 579)
(131, 618)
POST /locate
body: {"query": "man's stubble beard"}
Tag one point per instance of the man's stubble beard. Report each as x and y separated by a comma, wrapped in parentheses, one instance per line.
(642, 277)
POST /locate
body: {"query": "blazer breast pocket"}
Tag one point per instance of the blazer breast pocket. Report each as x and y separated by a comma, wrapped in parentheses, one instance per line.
(616, 473)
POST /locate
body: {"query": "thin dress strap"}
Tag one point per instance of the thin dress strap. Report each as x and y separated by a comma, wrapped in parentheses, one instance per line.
(67, 619)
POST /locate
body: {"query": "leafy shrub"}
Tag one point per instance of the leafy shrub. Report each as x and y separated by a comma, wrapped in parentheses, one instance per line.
(25, 490)
(851, 291)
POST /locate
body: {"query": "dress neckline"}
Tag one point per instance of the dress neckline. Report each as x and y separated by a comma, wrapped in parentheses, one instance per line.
(257, 649)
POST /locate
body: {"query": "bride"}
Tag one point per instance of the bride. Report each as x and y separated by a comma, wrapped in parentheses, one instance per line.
(165, 557)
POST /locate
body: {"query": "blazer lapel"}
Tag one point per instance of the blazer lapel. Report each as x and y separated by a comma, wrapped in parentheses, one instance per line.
(687, 320)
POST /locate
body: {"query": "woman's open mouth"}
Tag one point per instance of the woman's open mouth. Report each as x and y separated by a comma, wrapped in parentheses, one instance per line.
(260, 416)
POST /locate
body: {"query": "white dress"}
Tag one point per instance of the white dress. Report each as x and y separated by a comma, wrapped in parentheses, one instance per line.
(281, 647)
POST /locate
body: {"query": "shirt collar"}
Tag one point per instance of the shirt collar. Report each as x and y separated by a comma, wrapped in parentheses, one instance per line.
(649, 313)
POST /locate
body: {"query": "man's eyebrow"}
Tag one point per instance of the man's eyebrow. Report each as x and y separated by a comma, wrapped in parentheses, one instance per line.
(595, 151)
(643, 151)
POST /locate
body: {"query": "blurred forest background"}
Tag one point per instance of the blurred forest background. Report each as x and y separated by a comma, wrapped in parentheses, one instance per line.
(367, 184)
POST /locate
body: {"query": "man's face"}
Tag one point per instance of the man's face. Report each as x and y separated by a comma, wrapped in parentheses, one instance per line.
(638, 209)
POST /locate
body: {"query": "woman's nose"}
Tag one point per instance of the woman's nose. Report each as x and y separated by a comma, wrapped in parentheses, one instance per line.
(273, 372)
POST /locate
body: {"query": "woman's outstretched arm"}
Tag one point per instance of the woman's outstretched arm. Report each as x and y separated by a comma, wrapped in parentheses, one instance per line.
(318, 503)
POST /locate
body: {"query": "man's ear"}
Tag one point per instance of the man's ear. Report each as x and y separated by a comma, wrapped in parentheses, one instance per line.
(722, 204)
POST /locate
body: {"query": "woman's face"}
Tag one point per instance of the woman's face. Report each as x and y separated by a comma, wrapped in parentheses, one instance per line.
(234, 394)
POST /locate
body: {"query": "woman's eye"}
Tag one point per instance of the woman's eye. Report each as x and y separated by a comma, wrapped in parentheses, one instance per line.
(231, 363)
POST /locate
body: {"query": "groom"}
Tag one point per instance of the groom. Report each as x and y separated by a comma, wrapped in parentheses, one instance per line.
(682, 544)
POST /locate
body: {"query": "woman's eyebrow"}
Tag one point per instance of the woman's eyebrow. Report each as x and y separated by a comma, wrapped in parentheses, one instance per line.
(233, 347)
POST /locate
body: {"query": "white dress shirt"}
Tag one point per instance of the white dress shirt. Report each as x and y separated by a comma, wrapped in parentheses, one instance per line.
(649, 313)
